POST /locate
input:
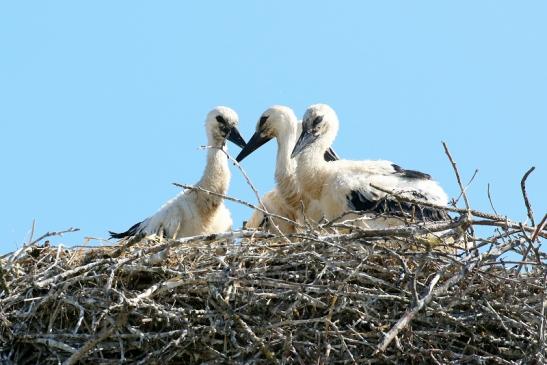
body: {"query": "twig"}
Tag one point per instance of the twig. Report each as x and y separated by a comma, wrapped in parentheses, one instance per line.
(65, 274)
(490, 198)
(227, 197)
(525, 195)
(16, 254)
(31, 235)
(455, 167)
(541, 332)
(409, 315)
(251, 185)
(539, 228)
(467, 185)
(462, 189)
(106, 332)
(3, 283)
(50, 234)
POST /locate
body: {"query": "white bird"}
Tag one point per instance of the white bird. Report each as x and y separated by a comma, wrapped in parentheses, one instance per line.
(345, 185)
(193, 212)
(285, 200)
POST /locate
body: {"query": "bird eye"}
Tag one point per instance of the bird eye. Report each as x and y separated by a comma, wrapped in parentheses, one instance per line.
(220, 119)
(317, 120)
(263, 120)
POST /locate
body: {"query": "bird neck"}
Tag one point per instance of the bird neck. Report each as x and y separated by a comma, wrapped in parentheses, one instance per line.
(285, 169)
(216, 178)
(311, 172)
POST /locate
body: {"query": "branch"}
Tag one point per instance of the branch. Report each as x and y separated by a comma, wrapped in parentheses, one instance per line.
(457, 176)
(227, 197)
(105, 333)
(525, 195)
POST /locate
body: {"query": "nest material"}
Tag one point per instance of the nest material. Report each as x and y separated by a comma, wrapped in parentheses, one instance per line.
(247, 297)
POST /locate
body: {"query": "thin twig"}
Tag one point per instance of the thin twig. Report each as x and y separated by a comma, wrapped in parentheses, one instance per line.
(105, 333)
(467, 185)
(239, 201)
(251, 185)
(455, 168)
(540, 228)
(525, 195)
(3, 283)
(490, 199)
(462, 189)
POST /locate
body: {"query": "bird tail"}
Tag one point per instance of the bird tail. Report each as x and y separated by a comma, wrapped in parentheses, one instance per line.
(130, 232)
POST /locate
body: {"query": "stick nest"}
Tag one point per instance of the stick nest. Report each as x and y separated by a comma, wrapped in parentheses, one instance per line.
(249, 297)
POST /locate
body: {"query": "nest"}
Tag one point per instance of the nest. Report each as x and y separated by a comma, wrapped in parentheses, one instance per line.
(256, 298)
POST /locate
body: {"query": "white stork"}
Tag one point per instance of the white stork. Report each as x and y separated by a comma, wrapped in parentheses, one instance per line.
(193, 212)
(279, 122)
(345, 185)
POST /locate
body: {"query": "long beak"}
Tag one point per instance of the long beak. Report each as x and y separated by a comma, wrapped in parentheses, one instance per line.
(254, 143)
(306, 138)
(235, 137)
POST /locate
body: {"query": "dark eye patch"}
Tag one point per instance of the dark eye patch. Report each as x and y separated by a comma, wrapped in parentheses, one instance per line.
(223, 125)
(317, 120)
(263, 120)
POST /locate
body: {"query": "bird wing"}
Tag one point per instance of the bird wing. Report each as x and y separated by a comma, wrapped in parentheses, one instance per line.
(330, 155)
(411, 174)
(130, 232)
(167, 221)
(358, 180)
(359, 200)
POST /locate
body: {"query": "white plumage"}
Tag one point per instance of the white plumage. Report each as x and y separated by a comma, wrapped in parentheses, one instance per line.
(273, 203)
(279, 122)
(192, 212)
(344, 185)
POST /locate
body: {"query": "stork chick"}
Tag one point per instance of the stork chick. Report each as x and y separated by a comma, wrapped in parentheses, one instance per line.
(345, 185)
(279, 122)
(194, 212)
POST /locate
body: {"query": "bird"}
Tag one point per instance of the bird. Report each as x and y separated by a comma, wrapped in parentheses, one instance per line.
(345, 185)
(194, 212)
(279, 122)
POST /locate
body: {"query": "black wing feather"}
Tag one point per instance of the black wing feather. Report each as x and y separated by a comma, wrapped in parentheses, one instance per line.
(357, 201)
(330, 155)
(130, 232)
(411, 174)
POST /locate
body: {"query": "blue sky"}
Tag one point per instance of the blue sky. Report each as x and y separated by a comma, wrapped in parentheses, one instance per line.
(102, 103)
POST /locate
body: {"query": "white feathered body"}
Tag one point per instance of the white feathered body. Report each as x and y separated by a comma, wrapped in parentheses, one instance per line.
(194, 212)
(275, 204)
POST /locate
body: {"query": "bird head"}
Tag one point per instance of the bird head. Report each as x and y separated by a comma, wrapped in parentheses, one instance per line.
(319, 128)
(221, 125)
(276, 122)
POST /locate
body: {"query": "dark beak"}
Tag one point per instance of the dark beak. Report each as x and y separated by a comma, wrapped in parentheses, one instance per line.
(254, 143)
(235, 137)
(330, 155)
(306, 138)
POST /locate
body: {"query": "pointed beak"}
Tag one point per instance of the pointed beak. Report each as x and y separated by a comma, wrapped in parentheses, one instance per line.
(254, 143)
(306, 138)
(235, 137)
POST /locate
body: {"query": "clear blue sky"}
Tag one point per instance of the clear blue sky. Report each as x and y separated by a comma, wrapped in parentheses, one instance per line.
(102, 103)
